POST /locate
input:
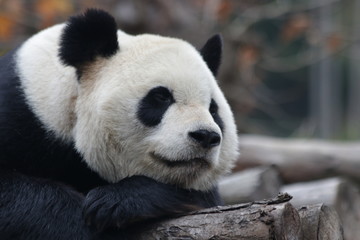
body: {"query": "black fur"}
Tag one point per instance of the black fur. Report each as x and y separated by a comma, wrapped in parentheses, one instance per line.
(154, 105)
(211, 53)
(34, 208)
(44, 181)
(215, 114)
(141, 198)
(87, 36)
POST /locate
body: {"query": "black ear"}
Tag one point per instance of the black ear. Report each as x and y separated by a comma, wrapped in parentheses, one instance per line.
(211, 53)
(87, 36)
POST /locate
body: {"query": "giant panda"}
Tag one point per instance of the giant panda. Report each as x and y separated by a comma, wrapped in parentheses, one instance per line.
(101, 131)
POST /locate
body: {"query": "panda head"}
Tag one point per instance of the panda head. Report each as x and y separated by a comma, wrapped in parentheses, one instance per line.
(148, 105)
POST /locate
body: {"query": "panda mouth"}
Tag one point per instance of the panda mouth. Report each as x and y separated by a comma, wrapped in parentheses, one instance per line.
(198, 162)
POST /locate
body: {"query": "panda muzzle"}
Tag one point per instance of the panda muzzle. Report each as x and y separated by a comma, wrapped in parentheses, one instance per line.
(189, 163)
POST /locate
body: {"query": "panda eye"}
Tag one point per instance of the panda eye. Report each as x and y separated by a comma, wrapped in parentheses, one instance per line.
(213, 109)
(162, 97)
(154, 105)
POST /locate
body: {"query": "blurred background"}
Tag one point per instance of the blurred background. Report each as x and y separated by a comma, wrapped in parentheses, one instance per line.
(290, 68)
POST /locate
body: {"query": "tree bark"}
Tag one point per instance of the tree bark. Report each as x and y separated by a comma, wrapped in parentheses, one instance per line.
(271, 219)
(261, 220)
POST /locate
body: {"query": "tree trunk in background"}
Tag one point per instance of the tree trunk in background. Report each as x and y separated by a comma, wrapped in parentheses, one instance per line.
(325, 89)
(353, 116)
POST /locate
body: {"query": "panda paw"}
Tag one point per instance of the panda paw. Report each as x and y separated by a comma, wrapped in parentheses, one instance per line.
(103, 209)
(139, 198)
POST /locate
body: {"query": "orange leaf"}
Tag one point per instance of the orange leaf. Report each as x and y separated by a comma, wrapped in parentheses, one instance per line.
(6, 26)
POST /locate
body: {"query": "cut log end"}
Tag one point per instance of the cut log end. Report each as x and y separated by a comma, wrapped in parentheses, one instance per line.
(320, 222)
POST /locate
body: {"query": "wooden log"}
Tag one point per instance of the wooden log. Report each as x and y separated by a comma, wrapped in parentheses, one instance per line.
(262, 220)
(338, 193)
(250, 185)
(300, 160)
(320, 222)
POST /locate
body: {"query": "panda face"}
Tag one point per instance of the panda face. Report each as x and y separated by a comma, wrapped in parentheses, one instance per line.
(132, 105)
(160, 114)
(192, 143)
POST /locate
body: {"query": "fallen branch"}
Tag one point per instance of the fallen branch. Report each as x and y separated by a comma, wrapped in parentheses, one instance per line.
(250, 185)
(300, 160)
(270, 219)
(261, 220)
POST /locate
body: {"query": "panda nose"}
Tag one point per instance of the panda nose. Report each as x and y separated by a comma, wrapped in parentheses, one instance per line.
(207, 139)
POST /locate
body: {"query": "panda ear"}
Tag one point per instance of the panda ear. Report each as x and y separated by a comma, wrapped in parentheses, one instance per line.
(87, 36)
(211, 53)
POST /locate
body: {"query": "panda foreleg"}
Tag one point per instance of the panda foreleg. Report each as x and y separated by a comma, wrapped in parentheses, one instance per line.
(32, 208)
(139, 198)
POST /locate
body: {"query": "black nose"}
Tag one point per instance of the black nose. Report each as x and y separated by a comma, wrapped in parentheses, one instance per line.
(206, 138)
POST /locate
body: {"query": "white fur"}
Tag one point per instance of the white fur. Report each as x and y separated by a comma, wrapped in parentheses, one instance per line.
(49, 86)
(99, 114)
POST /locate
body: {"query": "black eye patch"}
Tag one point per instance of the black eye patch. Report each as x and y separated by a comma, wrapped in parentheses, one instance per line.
(153, 106)
(213, 109)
